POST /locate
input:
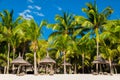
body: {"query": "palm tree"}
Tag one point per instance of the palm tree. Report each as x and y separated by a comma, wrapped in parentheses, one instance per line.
(16, 35)
(109, 52)
(95, 20)
(15, 41)
(8, 23)
(110, 41)
(63, 28)
(42, 47)
(21, 32)
(61, 44)
(41, 52)
(83, 47)
(34, 31)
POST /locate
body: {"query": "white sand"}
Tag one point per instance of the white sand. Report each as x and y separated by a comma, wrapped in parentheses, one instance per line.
(60, 77)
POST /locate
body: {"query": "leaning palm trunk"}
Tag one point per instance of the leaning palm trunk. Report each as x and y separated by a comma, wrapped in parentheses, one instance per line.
(35, 63)
(115, 70)
(5, 69)
(8, 61)
(64, 63)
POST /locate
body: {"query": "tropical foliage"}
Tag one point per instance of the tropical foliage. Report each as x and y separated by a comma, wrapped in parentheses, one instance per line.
(75, 39)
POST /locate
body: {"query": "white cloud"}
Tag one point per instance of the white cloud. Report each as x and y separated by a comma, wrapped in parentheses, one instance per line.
(25, 14)
(27, 11)
(38, 7)
(59, 8)
(31, 1)
(35, 7)
(21, 14)
(29, 16)
(30, 7)
(39, 14)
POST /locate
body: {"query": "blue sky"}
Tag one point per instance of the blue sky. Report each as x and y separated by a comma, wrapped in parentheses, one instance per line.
(47, 9)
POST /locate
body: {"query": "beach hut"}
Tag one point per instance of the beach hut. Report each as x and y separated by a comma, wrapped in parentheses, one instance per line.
(100, 61)
(48, 61)
(19, 61)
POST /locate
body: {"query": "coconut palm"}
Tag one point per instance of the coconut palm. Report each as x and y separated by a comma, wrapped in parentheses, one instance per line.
(8, 23)
(34, 31)
(16, 36)
(41, 52)
(72, 54)
(110, 41)
(63, 27)
(83, 47)
(21, 32)
(42, 49)
(95, 20)
(61, 44)
(109, 52)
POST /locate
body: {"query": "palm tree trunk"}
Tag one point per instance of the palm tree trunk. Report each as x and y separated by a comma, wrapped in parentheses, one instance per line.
(8, 61)
(64, 63)
(110, 63)
(35, 63)
(75, 68)
(115, 70)
(14, 50)
(97, 56)
(97, 41)
(4, 69)
(18, 71)
(83, 63)
(23, 51)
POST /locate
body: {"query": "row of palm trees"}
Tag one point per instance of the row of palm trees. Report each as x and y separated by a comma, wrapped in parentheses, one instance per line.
(75, 39)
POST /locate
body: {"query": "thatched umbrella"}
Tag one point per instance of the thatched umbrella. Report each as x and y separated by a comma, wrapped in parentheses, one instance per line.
(19, 61)
(48, 60)
(100, 61)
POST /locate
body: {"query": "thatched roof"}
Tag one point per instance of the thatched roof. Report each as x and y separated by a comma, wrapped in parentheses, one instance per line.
(20, 61)
(100, 60)
(47, 60)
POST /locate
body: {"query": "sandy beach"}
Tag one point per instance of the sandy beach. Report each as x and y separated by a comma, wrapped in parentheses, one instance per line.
(60, 77)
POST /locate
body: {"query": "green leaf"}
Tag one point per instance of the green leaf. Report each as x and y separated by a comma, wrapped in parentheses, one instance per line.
(117, 29)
